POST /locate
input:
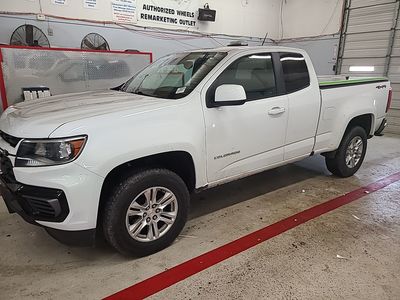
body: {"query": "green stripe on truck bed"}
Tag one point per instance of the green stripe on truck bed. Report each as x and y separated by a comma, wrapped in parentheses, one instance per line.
(334, 83)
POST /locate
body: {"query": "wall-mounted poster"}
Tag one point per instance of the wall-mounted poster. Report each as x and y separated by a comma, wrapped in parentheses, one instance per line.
(123, 11)
(89, 3)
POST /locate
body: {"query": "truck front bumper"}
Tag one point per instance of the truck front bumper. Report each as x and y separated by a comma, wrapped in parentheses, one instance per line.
(34, 203)
(62, 199)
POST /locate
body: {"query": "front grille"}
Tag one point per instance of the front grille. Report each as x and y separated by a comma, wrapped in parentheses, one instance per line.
(12, 140)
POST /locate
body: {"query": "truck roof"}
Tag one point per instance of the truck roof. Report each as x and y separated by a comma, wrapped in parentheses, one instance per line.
(247, 48)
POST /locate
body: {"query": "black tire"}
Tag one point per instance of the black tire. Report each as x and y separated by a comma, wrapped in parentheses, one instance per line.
(115, 210)
(337, 164)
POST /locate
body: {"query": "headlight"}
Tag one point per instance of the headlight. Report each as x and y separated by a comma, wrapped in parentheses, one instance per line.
(49, 152)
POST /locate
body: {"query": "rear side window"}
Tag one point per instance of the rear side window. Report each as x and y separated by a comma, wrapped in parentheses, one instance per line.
(254, 72)
(295, 72)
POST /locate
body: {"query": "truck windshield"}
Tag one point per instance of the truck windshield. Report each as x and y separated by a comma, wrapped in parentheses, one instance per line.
(173, 76)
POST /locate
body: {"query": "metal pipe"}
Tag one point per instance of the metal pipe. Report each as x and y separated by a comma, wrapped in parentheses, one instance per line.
(342, 40)
(391, 40)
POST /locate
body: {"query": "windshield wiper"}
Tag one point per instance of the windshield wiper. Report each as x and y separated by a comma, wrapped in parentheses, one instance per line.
(141, 93)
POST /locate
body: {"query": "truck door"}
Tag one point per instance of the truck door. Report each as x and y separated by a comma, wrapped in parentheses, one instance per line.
(301, 86)
(248, 137)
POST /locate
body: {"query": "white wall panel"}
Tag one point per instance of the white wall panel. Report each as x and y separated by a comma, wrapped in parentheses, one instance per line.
(322, 50)
(22, 6)
(252, 18)
(300, 18)
(304, 18)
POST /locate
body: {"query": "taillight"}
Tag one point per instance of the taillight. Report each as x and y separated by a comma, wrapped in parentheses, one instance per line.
(389, 101)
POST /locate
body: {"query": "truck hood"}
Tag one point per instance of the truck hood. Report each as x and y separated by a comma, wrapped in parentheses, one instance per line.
(39, 118)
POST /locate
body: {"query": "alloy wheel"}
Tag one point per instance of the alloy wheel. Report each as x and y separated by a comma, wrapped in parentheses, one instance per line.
(151, 214)
(354, 152)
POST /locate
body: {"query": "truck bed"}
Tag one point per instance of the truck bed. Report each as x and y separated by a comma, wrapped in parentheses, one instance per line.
(342, 99)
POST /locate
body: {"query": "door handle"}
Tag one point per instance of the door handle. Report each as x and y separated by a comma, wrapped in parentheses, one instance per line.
(276, 111)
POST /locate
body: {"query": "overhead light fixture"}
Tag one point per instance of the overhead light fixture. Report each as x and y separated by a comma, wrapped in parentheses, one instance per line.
(362, 69)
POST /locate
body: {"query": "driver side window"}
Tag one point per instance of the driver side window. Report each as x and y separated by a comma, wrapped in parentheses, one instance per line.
(254, 72)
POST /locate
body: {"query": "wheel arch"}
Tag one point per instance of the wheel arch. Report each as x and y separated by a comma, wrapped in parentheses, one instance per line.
(179, 162)
(366, 121)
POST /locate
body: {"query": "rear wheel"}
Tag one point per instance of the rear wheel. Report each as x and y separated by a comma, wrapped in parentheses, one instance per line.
(146, 212)
(350, 154)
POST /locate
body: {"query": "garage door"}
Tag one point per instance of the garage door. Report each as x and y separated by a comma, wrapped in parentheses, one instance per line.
(370, 40)
(394, 75)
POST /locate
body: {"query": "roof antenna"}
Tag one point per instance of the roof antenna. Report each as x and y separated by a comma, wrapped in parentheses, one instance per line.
(265, 37)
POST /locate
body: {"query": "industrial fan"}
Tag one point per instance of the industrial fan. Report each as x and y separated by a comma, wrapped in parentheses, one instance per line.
(29, 35)
(94, 41)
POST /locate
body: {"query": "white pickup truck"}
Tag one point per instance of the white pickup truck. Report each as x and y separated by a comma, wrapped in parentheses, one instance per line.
(123, 162)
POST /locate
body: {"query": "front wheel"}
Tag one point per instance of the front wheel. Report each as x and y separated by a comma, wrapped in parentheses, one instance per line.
(350, 154)
(146, 212)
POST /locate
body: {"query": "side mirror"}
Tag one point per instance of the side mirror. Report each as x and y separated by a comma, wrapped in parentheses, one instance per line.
(230, 94)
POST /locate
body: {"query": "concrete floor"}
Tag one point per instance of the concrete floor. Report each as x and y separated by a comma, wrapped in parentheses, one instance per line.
(299, 264)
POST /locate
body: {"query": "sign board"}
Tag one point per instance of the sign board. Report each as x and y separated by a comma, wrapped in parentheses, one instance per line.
(59, 2)
(90, 3)
(178, 13)
(123, 11)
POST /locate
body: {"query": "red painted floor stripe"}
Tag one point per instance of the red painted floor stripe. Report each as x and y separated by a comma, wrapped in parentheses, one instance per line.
(180, 272)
